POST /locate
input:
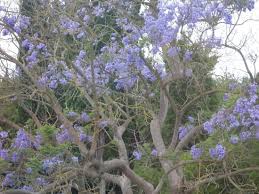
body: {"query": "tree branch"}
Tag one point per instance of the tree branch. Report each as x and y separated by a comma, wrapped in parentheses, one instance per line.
(244, 60)
(188, 137)
(220, 176)
(9, 123)
(33, 116)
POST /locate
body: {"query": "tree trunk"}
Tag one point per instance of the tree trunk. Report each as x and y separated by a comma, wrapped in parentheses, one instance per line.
(175, 177)
(126, 186)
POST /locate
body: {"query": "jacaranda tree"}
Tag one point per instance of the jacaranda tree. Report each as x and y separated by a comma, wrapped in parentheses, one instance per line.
(94, 76)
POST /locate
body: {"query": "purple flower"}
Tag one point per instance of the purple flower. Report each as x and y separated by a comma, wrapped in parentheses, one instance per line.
(5, 32)
(4, 154)
(137, 154)
(173, 51)
(85, 138)
(154, 152)
(250, 4)
(9, 180)
(10, 21)
(63, 136)
(24, 22)
(41, 46)
(72, 114)
(218, 152)
(63, 81)
(70, 26)
(245, 135)
(182, 132)
(37, 141)
(82, 136)
(188, 56)
(242, 105)
(196, 152)
(80, 35)
(3, 134)
(256, 123)
(232, 86)
(29, 170)
(17, 30)
(68, 75)
(27, 188)
(252, 89)
(22, 140)
(208, 126)
(226, 97)
(2, 8)
(27, 44)
(15, 157)
(234, 139)
(98, 11)
(32, 59)
(228, 18)
(85, 117)
(49, 165)
(82, 54)
(233, 122)
(247, 122)
(53, 84)
(86, 19)
(191, 119)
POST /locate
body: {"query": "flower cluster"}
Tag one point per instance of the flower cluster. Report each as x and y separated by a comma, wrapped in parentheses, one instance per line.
(72, 114)
(14, 24)
(245, 114)
(244, 5)
(22, 140)
(27, 188)
(63, 136)
(70, 26)
(85, 117)
(56, 74)
(83, 137)
(218, 152)
(234, 139)
(49, 165)
(3, 134)
(4, 154)
(9, 180)
(137, 154)
(196, 152)
(154, 152)
(34, 51)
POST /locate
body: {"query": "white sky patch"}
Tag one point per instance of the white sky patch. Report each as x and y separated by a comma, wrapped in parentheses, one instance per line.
(230, 61)
(7, 43)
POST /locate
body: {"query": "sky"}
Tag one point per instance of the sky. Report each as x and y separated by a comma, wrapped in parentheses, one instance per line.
(229, 63)
(6, 42)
